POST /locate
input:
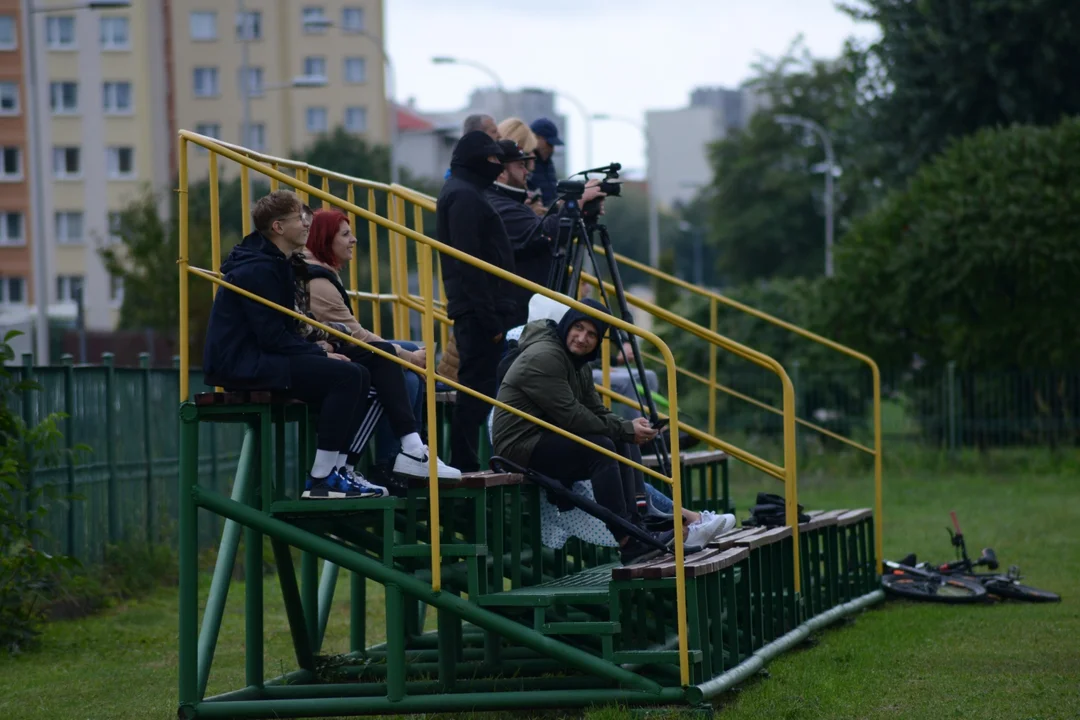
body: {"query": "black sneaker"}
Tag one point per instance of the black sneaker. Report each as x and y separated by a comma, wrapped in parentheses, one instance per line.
(636, 551)
(396, 485)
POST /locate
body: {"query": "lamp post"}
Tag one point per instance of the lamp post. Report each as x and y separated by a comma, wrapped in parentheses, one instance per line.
(37, 168)
(654, 214)
(831, 167)
(444, 60)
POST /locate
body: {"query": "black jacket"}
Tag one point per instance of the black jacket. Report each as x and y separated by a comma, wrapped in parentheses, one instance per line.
(531, 238)
(465, 220)
(247, 342)
(544, 179)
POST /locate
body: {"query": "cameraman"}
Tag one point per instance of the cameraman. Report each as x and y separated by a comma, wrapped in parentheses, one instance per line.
(544, 178)
(530, 236)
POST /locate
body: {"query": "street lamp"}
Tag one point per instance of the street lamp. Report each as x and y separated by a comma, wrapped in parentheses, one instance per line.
(830, 168)
(654, 214)
(36, 166)
(444, 60)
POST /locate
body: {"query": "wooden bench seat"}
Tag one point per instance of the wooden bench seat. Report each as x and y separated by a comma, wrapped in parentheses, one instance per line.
(474, 480)
(853, 516)
(690, 459)
(244, 397)
(699, 564)
(588, 587)
(446, 396)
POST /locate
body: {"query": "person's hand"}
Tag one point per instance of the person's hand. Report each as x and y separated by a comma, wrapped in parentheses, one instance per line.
(592, 191)
(628, 353)
(643, 431)
(337, 356)
(325, 346)
(538, 208)
(418, 357)
(498, 338)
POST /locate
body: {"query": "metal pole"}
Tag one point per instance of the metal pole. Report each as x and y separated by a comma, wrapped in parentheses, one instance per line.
(245, 96)
(391, 93)
(830, 160)
(36, 168)
(654, 214)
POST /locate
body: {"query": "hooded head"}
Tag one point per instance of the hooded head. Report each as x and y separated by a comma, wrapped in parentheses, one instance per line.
(582, 334)
(471, 155)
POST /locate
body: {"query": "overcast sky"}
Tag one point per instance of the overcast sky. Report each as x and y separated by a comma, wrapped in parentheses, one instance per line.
(620, 57)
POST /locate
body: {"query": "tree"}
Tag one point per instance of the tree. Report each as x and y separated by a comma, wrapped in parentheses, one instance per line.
(942, 70)
(765, 204)
(627, 221)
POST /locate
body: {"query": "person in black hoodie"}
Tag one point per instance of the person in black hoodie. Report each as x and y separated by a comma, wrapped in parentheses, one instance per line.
(531, 236)
(250, 346)
(479, 303)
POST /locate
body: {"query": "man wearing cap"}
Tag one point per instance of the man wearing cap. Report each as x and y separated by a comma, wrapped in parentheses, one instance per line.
(530, 236)
(479, 303)
(543, 177)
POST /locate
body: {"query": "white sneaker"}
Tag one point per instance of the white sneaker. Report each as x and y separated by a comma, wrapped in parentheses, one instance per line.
(700, 533)
(728, 522)
(361, 483)
(417, 467)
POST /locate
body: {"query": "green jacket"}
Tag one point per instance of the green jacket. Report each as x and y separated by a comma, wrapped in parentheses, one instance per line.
(543, 382)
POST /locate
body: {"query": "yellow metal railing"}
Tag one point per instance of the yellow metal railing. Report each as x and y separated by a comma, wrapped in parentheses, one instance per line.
(269, 167)
(715, 300)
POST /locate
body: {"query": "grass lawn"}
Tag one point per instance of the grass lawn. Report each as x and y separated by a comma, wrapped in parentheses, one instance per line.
(900, 660)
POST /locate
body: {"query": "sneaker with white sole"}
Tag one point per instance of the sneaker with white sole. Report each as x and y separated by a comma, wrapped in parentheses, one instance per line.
(699, 534)
(417, 467)
(361, 483)
(729, 522)
(331, 487)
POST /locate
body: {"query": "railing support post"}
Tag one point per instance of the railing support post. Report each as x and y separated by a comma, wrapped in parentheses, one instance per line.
(112, 494)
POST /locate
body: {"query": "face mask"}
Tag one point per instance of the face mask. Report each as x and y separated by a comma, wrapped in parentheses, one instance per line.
(489, 171)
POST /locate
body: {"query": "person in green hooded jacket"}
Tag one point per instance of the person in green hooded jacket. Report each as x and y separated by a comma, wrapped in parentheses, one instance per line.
(550, 379)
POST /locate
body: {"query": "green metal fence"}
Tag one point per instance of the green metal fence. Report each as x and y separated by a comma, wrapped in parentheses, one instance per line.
(124, 486)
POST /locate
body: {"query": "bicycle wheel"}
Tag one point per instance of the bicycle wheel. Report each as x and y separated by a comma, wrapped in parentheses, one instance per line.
(936, 588)
(1013, 590)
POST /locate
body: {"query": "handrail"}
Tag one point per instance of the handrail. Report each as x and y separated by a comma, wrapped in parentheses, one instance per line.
(185, 270)
(875, 372)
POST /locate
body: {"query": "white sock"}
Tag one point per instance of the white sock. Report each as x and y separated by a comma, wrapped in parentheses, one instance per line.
(343, 460)
(412, 445)
(325, 462)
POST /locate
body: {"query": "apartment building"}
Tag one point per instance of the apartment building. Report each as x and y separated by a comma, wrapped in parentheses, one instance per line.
(114, 86)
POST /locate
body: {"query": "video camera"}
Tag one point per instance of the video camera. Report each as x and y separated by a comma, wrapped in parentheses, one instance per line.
(611, 186)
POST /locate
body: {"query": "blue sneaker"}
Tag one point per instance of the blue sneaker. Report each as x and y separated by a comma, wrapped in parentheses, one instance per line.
(331, 487)
(359, 482)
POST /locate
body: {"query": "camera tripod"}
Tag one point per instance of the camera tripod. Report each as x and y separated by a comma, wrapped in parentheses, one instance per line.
(573, 243)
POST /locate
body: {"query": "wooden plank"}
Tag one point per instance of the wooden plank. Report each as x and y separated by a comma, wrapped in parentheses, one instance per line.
(635, 571)
(690, 459)
(854, 516)
(730, 539)
(472, 481)
(768, 537)
(446, 396)
(820, 521)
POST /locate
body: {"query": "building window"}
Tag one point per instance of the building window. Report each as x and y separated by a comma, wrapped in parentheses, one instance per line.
(116, 98)
(9, 98)
(68, 287)
(8, 36)
(11, 228)
(256, 136)
(116, 224)
(60, 32)
(116, 290)
(254, 81)
(315, 66)
(317, 120)
(314, 20)
(115, 33)
(356, 119)
(355, 70)
(120, 161)
(206, 82)
(69, 227)
(64, 97)
(249, 25)
(67, 163)
(203, 26)
(12, 163)
(352, 19)
(12, 291)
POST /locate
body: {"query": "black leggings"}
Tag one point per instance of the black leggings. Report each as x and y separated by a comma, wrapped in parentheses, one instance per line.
(388, 379)
(478, 359)
(614, 484)
(337, 390)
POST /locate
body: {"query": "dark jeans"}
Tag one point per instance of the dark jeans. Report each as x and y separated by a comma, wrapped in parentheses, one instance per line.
(388, 380)
(387, 444)
(335, 389)
(614, 484)
(478, 356)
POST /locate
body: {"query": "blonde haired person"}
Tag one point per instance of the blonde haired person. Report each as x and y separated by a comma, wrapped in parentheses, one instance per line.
(518, 130)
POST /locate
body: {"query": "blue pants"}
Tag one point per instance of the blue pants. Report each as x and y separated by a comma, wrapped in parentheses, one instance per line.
(387, 444)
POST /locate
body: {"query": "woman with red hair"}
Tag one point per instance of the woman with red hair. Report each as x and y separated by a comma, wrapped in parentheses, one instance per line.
(330, 246)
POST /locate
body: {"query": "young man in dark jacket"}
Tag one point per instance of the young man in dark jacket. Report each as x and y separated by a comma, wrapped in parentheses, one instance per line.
(551, 380)
(250, 346)
(531, 236)
(544, 177)
(480, 304)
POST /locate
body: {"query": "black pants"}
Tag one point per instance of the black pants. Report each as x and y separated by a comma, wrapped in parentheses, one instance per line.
(478, 357)
(614, 484)
(388, 379)
(337, 390)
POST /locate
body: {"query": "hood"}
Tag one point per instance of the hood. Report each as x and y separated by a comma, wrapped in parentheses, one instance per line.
(253, 249)
(571, 316)
(470, 158)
